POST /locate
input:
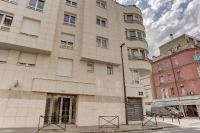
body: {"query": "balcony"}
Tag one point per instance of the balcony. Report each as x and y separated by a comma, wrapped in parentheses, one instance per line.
(136, 39)
(132, 57)
(133, 22)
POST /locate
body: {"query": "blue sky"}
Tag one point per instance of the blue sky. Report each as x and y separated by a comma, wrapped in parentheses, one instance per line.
(163, 17)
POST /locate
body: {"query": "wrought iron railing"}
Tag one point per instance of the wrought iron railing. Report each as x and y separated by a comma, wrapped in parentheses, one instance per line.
(134, 21)
(132, 57)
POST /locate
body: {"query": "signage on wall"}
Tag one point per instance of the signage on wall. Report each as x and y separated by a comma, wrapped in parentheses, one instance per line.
(196, 58)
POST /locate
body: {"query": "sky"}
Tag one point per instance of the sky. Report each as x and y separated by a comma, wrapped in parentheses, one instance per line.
(165, 17)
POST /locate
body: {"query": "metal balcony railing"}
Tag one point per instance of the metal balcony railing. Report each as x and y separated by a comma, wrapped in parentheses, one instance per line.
(133, 57)
(136, 39)
(133, 22)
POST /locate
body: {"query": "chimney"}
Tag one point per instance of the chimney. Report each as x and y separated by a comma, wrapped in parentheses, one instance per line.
(171, 36)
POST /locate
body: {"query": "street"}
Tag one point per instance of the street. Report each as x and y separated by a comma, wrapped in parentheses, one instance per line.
(173, 130)
(187, 125)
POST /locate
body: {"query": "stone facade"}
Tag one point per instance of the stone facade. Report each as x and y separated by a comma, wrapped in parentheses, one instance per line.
(34, 64)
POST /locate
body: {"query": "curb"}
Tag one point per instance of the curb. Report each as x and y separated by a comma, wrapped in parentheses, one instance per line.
(128, 130)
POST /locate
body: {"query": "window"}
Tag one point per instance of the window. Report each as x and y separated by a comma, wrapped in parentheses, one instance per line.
(131, 34)
(27, 59)
(133, 18)
(169, 77)
(172, 91)
(135, 35)
(179, 75)
(159, 67)
(69, 19)
(129, 18)
(3, 55)
(67, 41)
(101, 3)
(30, 27)
(198, 70)
(161, 79)
(164, 93)
(183, 90)
(147, 94)
(110, 70)
(5, 21)
(135, 76)
(71, 2)
(37, 5)
(101, 21)
(90, 67)
(140, 93)
(64, 67)
(101, 42)
(176, 61)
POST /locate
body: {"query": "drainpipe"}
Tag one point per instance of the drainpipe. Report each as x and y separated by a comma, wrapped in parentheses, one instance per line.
(124, 85)
(174, 77)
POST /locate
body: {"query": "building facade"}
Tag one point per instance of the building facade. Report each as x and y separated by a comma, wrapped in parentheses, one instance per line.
(177, 75)
(62, 58)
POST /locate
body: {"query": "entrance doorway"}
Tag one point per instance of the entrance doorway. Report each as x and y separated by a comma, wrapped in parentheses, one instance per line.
(190, 110)
(60, 109)
(135, 110)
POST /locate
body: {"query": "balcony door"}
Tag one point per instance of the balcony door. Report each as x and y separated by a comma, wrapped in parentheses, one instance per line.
(60, 109)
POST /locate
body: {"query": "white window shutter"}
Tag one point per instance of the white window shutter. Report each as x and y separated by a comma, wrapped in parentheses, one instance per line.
(64, 67)
(27, 58)
(67, 37)
(30, 27)
(3, 55)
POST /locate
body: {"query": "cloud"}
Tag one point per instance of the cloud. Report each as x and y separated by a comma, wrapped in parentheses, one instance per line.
(163, 17)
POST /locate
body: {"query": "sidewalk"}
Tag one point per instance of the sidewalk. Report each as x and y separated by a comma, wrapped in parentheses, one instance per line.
(92, 129)
(185, 122)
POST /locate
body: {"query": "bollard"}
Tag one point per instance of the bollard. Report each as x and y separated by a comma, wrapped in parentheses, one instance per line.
(179, 121)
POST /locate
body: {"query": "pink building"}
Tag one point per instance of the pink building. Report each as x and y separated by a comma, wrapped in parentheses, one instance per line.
(177, 80)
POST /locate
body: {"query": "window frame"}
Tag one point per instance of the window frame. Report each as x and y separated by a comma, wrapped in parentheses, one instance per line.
(101, 21)
(138, 35)
(35, 7)
(102, 4)
(70, 16)
(66, 45)
(90, 65)
(110, 70)
(101, 40)
(71, 3)
(133, 74)
(27, 64)
(161, 79)
(3, 26)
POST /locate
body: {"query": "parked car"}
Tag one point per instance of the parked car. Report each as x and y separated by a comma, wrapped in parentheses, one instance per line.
(166, 111)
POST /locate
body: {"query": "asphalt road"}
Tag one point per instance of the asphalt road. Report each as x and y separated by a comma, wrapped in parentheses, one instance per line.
(173, 130)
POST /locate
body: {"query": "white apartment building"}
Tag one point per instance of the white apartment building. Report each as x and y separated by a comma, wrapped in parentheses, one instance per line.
(62, 58)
